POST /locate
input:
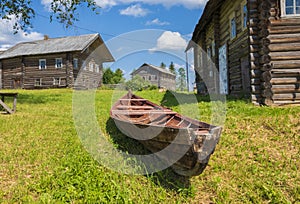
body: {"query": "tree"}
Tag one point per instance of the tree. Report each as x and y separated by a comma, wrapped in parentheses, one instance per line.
(162, 65)
(64, 11)
(137, 83)
(118, 77)
(172, 68)
(181, 82)
(108, 76)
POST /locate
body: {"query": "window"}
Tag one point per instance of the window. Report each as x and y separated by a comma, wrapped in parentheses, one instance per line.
(149, 78)
(84, 66)
(232, 28)
(75, 63)
(244, 15)
(42, 64)
(97, 68)
(62, 81)
(56, 81)
(156, 77)
(38, 82)
(91, 67)
(290, 7)
(213, 47)
(58, 63)
(209, 52)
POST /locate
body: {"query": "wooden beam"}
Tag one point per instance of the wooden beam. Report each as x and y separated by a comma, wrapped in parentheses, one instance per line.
(6, 107)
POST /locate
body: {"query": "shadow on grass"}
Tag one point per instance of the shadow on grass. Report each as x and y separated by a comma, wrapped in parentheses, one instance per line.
(167, 178)
(170, 100)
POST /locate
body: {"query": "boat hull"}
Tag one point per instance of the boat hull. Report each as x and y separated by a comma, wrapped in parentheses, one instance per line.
(184, 156)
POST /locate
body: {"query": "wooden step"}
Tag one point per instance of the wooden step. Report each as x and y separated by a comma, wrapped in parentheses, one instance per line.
(135, 107)
(141, 112)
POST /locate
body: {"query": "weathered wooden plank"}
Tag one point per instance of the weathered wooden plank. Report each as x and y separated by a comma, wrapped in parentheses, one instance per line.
(284, 38)
(288, 65)
(285, 90)
(285, 22)
(287, 102)
(284, 29)
(141, 112)
(288, 55)
(136, 107)
(285, 80)
(287, 47)
(287, 96)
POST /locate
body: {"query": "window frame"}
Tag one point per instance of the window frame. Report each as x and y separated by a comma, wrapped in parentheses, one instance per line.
(57, 63)
(75, 63)
(97, 68)
(244, 21)
(40, 65)
(54, 80)
(231, 19)
(39, 84)
(91, 67)
(283, 10)
(213, 49)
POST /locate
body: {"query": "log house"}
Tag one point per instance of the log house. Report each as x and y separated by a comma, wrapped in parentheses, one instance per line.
(256, 43)
(54, 63)
(162, 78)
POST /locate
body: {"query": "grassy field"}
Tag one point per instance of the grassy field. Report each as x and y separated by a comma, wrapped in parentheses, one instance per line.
(42, 159)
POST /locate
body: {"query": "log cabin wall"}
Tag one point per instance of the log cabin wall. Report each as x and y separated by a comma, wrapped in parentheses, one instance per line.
(0, 75)
(283, 42)
(210, 73)
(92, 56)
(24, 72)
(237, 47)
(214, 31)
(200, 61)
(11, 73)
(21, 65)
(32, 72)
(161, 78)
(255, 47)
(263, 58)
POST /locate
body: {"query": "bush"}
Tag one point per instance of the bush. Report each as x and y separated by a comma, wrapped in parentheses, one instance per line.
(137, 83)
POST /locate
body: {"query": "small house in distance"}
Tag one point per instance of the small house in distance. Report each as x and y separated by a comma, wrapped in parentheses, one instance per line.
(54, 63)
(162, 78)
(255, 45)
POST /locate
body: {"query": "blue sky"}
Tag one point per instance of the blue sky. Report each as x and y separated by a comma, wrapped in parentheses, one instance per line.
(136, 31)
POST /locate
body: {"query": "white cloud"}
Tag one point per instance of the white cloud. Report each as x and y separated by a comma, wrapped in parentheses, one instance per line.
(171, 41)
(134, 10)
(157, 22)
(106, 3)
(8, 39)
(190, 4)
(177, 66)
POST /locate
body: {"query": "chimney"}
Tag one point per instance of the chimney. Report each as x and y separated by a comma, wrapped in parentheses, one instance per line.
(46, 37)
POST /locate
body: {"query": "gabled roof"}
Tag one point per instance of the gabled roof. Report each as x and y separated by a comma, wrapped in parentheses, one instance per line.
(210, 8)
(166, 71)
(52, 45)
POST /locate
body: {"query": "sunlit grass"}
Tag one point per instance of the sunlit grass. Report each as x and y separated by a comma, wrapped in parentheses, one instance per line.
(43, 160)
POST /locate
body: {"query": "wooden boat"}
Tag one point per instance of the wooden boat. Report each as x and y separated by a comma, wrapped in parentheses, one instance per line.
(186, 144)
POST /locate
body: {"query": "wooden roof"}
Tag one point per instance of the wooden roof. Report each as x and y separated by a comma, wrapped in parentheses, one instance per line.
(166, 71)
(210, 8)
(55, 45)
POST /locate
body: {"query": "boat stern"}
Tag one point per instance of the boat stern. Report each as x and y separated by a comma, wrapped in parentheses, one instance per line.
(205, 144)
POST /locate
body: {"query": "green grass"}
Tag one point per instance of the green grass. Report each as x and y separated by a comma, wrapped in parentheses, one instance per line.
(42, 159)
